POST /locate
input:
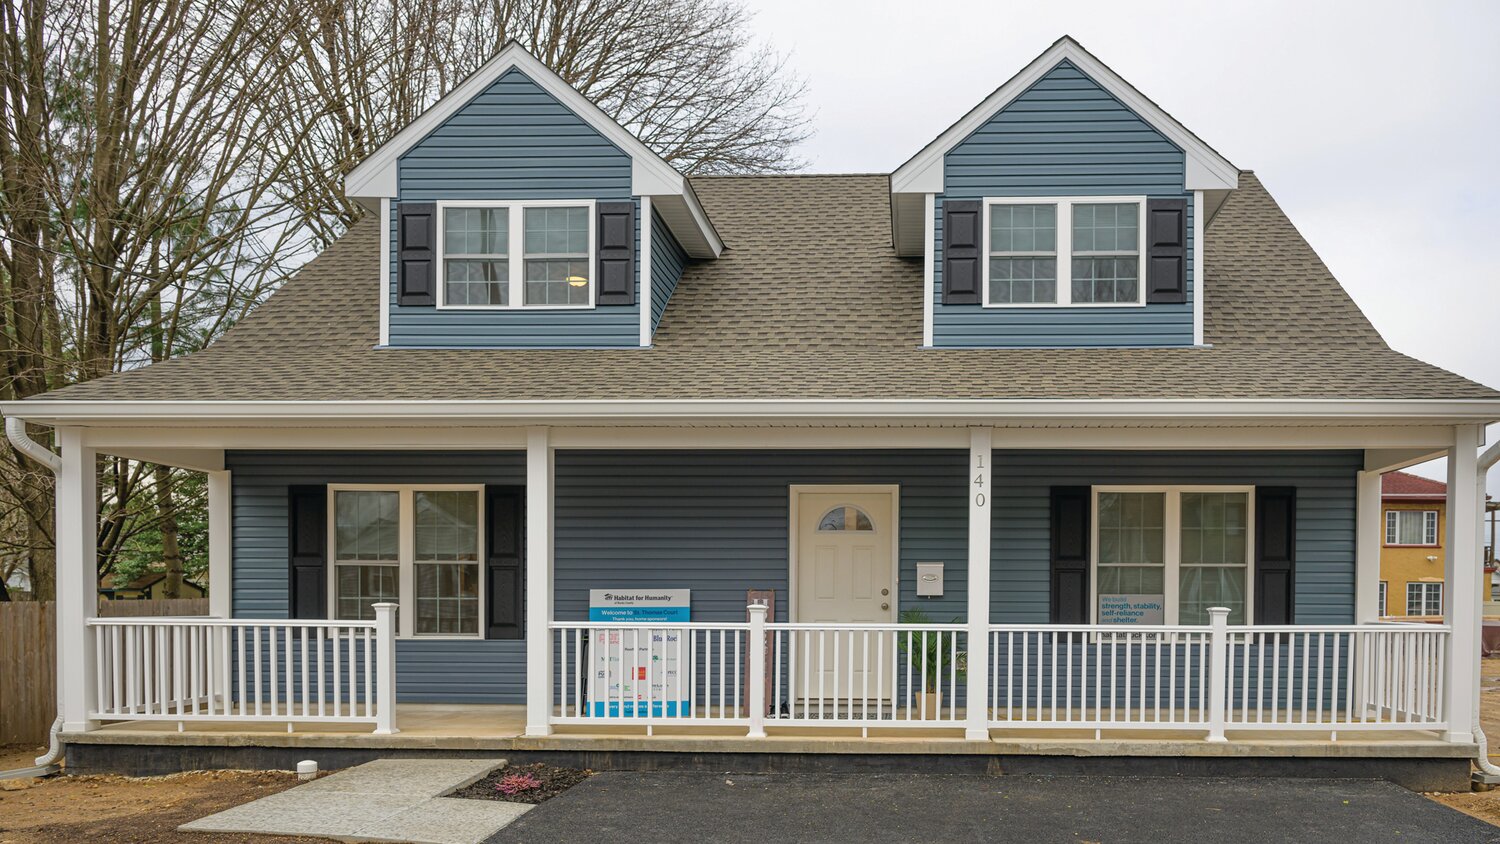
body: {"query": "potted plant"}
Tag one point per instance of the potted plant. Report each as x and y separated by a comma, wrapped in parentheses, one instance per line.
(924, 655)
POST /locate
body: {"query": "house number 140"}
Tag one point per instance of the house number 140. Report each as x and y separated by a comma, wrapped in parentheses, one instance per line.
(979, 499)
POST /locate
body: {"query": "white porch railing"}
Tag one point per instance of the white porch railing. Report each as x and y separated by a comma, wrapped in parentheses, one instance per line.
(649, 674)
(1340, 677)
(207, 669)
(1202, 679)
(866, 675)
(1099, 676)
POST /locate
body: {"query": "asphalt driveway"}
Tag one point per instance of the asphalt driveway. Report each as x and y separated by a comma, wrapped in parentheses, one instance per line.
(766, 808)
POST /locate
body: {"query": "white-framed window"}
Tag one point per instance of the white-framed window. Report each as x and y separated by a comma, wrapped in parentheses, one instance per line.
(1424, 599)
(1411, 527)
(1064, 251)
(1380, 600)
(516, 255)
(420, 546)
(1180, 548)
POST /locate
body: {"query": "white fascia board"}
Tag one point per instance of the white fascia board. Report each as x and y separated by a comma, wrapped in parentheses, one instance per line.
(1001, 412)
(375, 177)
(1206, 169)
(209, 440)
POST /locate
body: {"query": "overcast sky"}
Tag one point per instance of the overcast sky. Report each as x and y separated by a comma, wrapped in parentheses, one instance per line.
(1373, 123)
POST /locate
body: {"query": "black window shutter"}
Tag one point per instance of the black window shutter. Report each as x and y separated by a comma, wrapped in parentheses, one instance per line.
(307, 532)
(1275, 554)
(1166, 251)
(416, 285)
(961, 239)
(505, 561)
(1070, 554)
(616, 244)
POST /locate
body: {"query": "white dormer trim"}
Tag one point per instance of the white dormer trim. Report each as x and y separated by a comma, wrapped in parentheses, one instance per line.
(1206, 169)
(650, 174)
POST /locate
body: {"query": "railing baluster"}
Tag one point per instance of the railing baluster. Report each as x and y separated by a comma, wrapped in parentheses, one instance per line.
(1010, 676)
(306, 687)
(1052, 645)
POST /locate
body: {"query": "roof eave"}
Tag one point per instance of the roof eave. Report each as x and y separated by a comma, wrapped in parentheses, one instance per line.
(996, 412)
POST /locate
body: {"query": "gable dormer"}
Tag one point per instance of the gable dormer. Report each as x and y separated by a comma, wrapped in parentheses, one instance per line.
(517, 214)
(1065, 210)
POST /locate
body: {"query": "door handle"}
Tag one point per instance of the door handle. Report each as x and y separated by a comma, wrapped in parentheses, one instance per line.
(885, 606)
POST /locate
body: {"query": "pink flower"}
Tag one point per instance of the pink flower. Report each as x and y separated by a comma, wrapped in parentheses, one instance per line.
(517, 783)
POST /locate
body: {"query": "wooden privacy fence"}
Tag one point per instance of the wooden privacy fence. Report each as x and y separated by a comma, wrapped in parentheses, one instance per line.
(28, 659)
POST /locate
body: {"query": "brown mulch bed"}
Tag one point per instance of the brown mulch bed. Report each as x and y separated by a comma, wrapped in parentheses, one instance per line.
(554, 781)
(147, 810)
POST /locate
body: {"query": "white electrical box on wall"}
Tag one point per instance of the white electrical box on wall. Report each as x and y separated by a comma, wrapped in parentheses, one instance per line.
(929, 580)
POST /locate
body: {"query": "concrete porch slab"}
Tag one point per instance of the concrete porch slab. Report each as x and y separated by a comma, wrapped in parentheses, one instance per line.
(382, 800)
(496, 729)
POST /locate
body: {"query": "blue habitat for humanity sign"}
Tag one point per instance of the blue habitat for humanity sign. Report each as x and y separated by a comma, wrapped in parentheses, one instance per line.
(640, 604)
(638, 671)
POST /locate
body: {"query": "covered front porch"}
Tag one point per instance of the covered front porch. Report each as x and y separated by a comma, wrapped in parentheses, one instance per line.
(992, 668)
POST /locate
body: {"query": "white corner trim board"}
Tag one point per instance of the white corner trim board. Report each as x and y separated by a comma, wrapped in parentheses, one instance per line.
(1198, 274)
(385, 271)
(1206, 168)
(643, 275)
(929, 275)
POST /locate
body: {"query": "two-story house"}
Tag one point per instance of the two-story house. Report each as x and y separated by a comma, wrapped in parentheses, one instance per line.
(560, 450)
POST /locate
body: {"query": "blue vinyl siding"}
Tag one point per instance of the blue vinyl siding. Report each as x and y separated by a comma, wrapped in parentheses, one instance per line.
(1325, 483)
(513, 141)
(1065, 136)
(668, 259)
(717, 522)
(453, 670)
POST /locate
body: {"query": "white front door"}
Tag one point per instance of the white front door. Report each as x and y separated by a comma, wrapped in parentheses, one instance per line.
(845, 574)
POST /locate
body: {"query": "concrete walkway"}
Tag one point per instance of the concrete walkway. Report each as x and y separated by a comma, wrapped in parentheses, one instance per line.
(663, 808)
(384, 800)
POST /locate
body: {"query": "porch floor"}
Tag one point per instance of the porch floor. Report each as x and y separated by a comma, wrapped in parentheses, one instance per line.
(499, 728)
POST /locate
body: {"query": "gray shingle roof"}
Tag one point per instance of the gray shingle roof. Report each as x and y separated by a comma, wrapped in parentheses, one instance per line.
(811, 302)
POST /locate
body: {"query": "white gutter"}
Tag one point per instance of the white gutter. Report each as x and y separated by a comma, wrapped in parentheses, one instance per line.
(1482, 761)
(1458, 411)
(15, 431)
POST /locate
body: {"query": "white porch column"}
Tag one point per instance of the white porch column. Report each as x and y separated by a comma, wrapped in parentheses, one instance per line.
(976, 718)
(77, 578)
(1368, 530)
(220, 551)
(538, 582)
(1461, 588)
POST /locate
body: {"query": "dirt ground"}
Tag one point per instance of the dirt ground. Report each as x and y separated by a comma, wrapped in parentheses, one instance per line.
(80, 810)
(1484, 805)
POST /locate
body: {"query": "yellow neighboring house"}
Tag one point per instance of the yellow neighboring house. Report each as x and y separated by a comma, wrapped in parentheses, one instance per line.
(1411, 550)
(150, 587)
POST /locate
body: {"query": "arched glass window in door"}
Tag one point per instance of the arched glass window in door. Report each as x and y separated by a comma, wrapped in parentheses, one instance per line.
(845, 517)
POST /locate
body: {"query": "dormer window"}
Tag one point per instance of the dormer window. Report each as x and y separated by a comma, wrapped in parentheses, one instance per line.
(516, 254)
(1094, 258)
(476, 253)
(557, 256)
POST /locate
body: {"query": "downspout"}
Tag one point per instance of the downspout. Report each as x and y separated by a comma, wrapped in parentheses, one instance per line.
(1489, 458)
(15, 431)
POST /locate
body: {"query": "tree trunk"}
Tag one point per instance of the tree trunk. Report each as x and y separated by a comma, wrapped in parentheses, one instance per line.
(43, 564)
(171, 554)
